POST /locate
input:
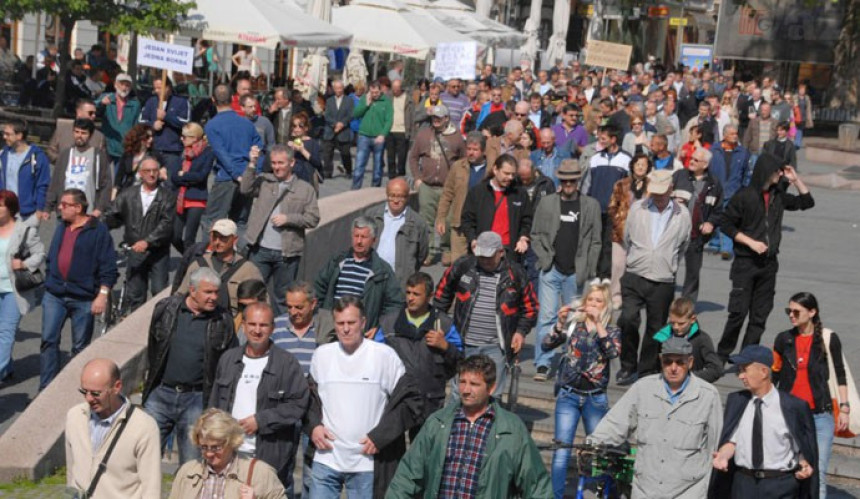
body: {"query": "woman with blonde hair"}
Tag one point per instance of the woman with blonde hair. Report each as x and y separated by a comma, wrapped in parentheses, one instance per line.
(190, 183)
(222, 473)
(584, 326)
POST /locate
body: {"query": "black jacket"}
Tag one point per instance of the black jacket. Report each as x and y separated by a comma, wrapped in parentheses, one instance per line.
(156, 227)
(517, 305)
(746, 210)
(431, 368)
(799, 420)
(125, 170)
(219, 338)
(708, 207)
(544, 186)
(480, 209)
(403, 411)
(785, 347)
(784, 150)
(282, 399)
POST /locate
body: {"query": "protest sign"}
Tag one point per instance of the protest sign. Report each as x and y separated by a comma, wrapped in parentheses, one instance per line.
(456, 60)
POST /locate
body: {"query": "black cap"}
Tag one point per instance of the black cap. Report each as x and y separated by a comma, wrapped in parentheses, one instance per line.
(751, 354)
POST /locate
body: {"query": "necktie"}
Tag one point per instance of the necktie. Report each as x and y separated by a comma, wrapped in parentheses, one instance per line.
(757, 440)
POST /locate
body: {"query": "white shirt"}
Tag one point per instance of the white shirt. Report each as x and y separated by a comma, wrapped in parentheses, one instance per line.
(146, 198)
(245, 400)
(354, 390)
(659, 221)
(780, 449)
(387, 247)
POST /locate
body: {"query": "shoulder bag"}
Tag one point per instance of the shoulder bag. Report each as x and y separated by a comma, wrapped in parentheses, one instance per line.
(26, 280)
(853, 398)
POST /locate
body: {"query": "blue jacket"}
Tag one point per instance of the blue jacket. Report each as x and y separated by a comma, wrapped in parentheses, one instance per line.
(731, 176)
(34, 177)
(231, 137)
(113, 128)
(93, 263)
(196, 178)
(548, 166)
(169, 138)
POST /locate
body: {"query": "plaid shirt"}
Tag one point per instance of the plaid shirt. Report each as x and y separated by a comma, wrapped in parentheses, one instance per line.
(464, 455)
(214, 482)
(586, 363)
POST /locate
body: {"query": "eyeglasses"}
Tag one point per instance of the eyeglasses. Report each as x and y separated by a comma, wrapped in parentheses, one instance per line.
(214, 449)
(792, 312)
(521, 115)
(92, 393)
(64, 204)
(668, 361)
(395, 197)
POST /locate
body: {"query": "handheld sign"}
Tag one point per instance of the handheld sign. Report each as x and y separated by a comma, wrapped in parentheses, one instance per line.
(166, 57)
(456, 60)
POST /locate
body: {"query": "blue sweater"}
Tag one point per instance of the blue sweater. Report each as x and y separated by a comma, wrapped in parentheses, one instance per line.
(195, 179)
(169, 138)
(93, 263)
(231, 137)
(34, 177)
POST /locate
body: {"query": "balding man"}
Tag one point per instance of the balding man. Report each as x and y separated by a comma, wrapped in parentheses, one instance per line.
(403, 239)
(246, 379)
(548, 158)
(133, 468)
(508, 143)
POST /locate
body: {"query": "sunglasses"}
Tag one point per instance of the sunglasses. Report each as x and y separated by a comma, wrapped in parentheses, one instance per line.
(792, 312)
(521, 115)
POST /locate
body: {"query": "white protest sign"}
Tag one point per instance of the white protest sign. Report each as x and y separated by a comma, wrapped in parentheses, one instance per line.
(456, 60)
(166, 56)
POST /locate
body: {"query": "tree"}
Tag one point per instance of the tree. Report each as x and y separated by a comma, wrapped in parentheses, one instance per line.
(119, 16)
(846, 72)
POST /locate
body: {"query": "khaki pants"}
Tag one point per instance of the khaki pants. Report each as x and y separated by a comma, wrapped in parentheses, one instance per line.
(428, 204)
(459, 244)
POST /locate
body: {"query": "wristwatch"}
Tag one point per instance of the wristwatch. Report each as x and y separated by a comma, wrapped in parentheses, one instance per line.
(845, 404)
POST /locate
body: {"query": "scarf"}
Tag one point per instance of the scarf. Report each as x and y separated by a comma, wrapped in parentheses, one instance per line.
(190, 153)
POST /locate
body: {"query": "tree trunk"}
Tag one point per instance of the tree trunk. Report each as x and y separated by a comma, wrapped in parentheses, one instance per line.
(845, 88)
(65, 51)
(132, 58)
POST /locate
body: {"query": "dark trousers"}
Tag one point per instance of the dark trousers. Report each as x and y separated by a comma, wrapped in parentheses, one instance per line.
(328, 148)
(151, 271)
(397, 146)
(655, 297)
(692, 269)
(604, 262)
(753, 288)
(281, 271)
(185, 227)
(783, 487)
(224, 202)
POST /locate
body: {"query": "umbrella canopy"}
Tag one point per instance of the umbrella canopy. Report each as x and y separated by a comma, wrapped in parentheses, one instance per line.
(462, 18)
(558, 41)
(260, 23)
(390, 26)
(530, 48)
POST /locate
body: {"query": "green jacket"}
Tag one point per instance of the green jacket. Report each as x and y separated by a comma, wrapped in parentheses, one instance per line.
(113, 128)
(382, 293)
(512, 466)
(377, 118)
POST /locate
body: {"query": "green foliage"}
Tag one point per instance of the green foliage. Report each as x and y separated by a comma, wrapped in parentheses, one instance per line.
(119, 16)
(20, 484)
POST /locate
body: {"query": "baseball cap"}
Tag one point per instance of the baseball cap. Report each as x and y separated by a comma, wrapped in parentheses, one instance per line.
(676, 345)
(659, 181)
(123, 77)
(751, 353)
(439, 111)
(225, 227)
(488, 244)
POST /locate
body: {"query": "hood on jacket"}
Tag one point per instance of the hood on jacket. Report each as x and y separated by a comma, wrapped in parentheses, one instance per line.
(666, 333)
(765, 166)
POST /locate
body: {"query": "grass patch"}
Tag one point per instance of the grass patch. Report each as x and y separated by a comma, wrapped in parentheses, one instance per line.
(58, 478)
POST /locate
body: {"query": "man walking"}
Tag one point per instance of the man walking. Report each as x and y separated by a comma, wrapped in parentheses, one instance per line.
(284, 208)
(133, 468)
(761, 129)
(80, 271)
(397, 142)
(337, 134)
(64, 137)
(548, 158)
(24, 170)
(83, 167)
(264, 128)
(120, 111)
(730, 163)
(167, 122)
(376, 115)
(188, 333)
(566, 239)
(263, 388)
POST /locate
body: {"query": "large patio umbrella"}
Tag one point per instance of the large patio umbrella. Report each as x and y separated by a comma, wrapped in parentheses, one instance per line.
(460, 17)
(260, 23)
(530, 48)
(390, 26)
(557, 44)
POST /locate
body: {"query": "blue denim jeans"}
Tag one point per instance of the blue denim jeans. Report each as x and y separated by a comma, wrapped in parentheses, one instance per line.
(173, 410)
(55, 311)
(554, 290)
(301, 442)
(10, 317)
(753, 159)
(798, 143)
(280, 271)
(569, 408)
(824, 428)
(365, 146)
(328, 483)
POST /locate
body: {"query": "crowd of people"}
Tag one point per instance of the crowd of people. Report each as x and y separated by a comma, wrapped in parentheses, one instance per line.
(562, 203)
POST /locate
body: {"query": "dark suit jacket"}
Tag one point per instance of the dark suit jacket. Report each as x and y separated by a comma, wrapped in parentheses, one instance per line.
(798, 417)
(334, 115)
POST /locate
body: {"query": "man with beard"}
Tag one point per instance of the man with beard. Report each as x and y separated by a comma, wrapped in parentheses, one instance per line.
(119, 111)
(82, 166)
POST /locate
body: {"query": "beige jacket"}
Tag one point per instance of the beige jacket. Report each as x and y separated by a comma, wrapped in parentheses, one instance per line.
(134, 468)
(190, 478)
(299, 205)
(656, 263)
(247, 271)
(64, 138)
(454, 192)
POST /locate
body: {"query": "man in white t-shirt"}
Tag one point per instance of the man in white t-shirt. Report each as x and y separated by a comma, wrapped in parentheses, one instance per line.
(263, 387)
(364, 404)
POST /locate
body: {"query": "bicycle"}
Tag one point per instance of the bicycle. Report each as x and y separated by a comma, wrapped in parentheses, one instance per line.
(513, 369)
(116, 307)
(609, 468)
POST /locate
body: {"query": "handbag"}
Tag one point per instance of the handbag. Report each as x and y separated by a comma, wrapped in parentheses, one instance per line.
(853, 398)
(25, 279)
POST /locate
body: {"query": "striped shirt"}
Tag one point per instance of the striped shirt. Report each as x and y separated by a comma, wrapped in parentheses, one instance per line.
(352, 278)
(481, 329)
(99, 428)
(302, 347)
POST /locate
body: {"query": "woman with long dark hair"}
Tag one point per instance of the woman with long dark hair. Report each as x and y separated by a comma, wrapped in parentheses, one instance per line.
(136, 145)
(800, 368)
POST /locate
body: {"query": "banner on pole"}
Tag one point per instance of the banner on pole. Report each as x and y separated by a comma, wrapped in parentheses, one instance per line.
(166, 56)
(608, 55)
(456, 60)
(696, 56)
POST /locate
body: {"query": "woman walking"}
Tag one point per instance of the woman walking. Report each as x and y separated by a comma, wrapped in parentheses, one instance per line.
(191, 184)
